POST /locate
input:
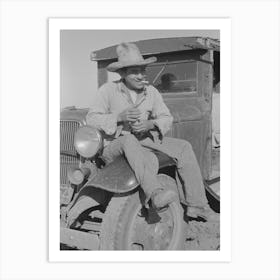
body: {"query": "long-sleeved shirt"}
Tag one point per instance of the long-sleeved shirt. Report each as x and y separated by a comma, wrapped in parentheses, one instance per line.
(113, 98)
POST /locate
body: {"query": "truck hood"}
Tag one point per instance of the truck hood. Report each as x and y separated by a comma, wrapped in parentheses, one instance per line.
(73, 113)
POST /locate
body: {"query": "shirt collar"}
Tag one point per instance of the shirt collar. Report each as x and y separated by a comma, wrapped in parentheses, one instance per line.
(124, 88)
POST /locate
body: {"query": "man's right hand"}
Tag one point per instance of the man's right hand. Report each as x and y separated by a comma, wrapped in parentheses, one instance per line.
(130, 114)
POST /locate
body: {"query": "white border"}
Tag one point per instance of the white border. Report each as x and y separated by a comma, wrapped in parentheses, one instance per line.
(55, 25)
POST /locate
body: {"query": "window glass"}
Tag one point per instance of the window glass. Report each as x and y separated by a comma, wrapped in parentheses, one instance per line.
(174, 77)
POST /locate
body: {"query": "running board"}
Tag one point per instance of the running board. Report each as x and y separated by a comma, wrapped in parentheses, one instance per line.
(80, 240)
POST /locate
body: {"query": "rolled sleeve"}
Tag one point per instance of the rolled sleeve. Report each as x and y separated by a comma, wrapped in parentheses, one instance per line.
(161, 114)
(99, 115)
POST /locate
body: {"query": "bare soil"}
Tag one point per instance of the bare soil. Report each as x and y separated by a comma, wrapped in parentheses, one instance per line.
(202, 236)
(199, 236)
(206, 235)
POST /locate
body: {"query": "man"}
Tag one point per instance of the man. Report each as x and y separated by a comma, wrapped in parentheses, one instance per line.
(134, 119)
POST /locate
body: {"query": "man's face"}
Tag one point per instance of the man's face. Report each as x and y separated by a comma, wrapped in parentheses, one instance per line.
(134, 76)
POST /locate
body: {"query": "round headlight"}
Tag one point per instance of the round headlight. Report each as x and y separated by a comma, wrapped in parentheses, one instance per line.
(88, 141)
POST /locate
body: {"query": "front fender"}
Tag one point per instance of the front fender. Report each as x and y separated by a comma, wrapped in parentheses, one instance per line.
(117, 177)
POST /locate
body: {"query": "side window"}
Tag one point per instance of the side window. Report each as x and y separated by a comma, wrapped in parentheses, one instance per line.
(174, 77)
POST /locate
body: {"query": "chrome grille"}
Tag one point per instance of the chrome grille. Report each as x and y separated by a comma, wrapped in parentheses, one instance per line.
(68, 155)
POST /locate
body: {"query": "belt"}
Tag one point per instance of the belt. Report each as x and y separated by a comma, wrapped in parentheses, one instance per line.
(142, 135)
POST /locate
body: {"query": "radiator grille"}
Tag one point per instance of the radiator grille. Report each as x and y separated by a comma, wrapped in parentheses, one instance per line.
(68, 155)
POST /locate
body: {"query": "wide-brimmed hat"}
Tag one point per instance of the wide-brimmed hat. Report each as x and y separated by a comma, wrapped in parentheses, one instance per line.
(129, 55)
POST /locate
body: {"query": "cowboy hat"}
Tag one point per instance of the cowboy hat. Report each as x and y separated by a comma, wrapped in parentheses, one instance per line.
(129, 55)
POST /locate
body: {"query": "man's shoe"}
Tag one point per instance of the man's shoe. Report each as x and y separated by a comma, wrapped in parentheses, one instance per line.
(161, 198)
(205, 213)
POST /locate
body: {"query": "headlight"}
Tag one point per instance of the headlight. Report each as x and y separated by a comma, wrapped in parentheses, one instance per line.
(88, 141)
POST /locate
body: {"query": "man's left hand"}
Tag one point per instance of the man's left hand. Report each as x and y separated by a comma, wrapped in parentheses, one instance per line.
(142, 125)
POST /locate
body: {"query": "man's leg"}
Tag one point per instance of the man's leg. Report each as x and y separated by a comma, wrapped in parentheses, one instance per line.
(143, 162)
(189, 171)
(190, 174)
(188, 168)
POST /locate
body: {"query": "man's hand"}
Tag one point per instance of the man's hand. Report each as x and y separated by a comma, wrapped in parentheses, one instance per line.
(130, 114)
(142, 125)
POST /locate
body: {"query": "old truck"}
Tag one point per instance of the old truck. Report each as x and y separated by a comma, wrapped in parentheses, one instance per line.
(100, 204)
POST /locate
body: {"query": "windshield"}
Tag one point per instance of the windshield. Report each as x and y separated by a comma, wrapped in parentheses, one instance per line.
(174, 77)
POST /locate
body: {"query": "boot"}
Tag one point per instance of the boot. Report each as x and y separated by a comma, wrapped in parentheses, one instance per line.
(205, 213)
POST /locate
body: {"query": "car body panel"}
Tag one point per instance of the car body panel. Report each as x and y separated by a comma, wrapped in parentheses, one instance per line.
(118, 177)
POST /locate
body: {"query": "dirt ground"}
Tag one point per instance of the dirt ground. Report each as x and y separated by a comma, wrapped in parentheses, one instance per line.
(205, 235)
(199, 236)
(202, 236)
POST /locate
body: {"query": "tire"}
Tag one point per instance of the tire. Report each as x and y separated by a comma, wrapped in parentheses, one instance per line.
(127, 225)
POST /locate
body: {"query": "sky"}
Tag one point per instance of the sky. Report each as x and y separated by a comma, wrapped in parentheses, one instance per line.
(78, 72)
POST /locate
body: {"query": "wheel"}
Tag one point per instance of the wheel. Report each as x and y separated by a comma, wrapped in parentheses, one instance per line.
(127, 225)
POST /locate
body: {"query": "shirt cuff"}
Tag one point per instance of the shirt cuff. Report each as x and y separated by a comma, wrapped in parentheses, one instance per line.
(162, 126)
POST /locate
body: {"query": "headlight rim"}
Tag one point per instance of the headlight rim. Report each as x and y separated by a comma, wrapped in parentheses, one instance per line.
(86, 135)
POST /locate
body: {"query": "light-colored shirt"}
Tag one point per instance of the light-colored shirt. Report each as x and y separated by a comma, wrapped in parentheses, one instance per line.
(113, 98)
(133, 95)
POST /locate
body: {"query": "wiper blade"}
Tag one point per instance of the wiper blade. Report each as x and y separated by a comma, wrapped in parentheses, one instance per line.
(159, 73)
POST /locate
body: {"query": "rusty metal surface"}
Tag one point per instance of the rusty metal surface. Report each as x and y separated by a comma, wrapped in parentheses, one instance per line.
(73, 113)
(191, 120)
(82, 204)
(182, 111)
(79, 239)
(118, 177)
(163, 45)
